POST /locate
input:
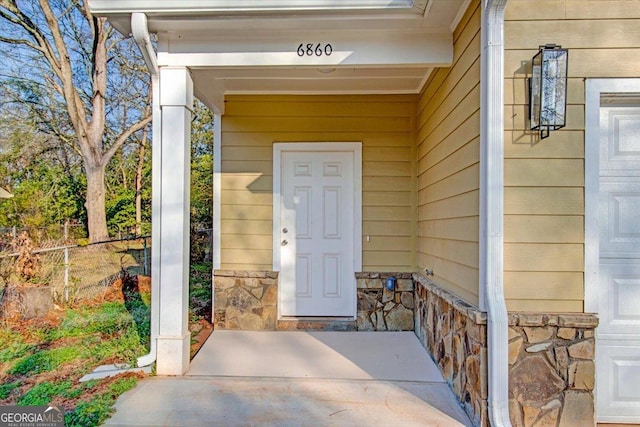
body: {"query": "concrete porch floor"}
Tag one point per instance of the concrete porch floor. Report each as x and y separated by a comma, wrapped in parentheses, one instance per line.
(298, 378)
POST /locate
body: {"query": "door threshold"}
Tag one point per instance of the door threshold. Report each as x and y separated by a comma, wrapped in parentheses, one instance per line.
(295, 323)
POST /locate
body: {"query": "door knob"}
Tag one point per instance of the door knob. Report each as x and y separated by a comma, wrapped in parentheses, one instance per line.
(284, 243)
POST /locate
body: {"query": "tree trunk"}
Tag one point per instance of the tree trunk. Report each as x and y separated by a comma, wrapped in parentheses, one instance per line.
(95, 204)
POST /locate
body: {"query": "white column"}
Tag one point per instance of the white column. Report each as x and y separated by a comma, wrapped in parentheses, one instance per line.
(176, 103)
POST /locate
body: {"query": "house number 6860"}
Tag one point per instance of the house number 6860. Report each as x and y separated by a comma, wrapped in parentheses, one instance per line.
(315, 49)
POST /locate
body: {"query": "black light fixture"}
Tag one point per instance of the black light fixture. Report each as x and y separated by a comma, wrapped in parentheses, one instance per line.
(548, 89)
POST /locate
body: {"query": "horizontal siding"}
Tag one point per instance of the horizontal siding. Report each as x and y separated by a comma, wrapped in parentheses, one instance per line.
(544, 229)
(336, 124)
(382, 140)
(543, 201)
(555, 285)
(384, 124)
(448, 165)
(544, 179)
(539, 10)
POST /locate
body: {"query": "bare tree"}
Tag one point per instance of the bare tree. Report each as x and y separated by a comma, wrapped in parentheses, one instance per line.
(66, 52)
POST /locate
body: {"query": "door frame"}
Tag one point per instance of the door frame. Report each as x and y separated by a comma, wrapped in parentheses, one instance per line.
(596, 89)
(356, 149)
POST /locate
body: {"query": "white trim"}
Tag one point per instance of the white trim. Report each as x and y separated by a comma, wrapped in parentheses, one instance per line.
(356, 148)
(491, 287)
(596, 89)
(424, 81)
(217, 188)
(460, 15)
(277, 202)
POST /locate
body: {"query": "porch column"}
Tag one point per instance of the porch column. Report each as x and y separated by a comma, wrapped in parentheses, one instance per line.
(176, 101)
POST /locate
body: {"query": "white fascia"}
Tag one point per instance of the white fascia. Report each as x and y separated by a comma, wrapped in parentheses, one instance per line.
(492, 209)
(226, 6)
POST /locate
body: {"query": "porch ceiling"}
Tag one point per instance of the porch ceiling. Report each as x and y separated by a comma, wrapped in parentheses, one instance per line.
(249, 47)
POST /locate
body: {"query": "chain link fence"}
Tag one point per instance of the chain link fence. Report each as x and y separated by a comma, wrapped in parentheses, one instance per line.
(77, 273)
(66, 234)
(44, 237)
(82, 272)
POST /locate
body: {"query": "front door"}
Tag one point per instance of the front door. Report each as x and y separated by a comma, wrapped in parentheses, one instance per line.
(316, 231)
(618, 334)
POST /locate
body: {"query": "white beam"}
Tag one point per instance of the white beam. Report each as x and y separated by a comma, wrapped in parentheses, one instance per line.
(176, 101)
(319, 49)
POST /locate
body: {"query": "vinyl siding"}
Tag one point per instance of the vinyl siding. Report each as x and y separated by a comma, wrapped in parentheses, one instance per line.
(385, 124)
(544, 179)
(448, 156)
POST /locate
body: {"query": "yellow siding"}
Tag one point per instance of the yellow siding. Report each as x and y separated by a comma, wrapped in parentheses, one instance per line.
(448, 165)
(385, 124)
(544, 179)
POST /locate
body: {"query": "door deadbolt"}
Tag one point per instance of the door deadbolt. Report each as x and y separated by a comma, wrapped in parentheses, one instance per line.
(285, 230)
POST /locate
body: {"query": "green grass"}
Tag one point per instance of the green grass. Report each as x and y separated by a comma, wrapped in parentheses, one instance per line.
(7, 388)
(200, 290)
(41, 394)
(46, 360)
(98, 409)
(40, 364)
(14, 349)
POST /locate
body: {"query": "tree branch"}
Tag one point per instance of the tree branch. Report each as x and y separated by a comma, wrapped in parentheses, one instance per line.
(23, 21)
(124, 136)
(76, 109)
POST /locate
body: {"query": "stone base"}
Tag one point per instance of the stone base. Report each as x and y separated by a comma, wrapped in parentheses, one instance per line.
(455, 335)
(551, 369)
(551, 359)
(382, 309)
(245, 300)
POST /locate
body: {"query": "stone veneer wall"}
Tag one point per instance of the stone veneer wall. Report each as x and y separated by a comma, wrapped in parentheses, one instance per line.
(455, 334)
(380, 309)
(551, 369)
(245, 300)
(551, 359)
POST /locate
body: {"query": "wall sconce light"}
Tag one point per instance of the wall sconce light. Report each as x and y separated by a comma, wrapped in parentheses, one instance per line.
(548, 89)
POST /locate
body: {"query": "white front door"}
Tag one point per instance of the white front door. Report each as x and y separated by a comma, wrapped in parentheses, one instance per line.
(316, 239)
(618, 334)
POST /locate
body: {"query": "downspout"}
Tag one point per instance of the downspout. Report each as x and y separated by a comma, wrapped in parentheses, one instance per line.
(492, 209)
(140, 33)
